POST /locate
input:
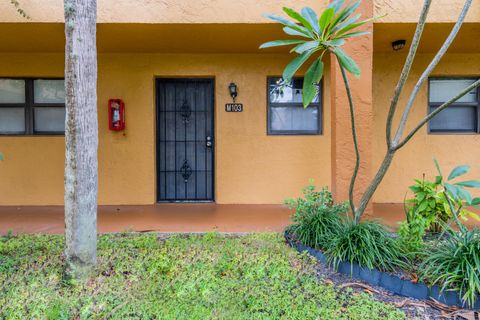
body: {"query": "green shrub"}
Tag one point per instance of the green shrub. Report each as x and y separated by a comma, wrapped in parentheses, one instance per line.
(428, 204)
(410, 235)
(316, 217)
(431, 207)
(454, 264)
(367, 243)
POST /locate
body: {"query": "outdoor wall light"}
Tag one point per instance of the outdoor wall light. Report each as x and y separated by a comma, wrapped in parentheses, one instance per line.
(233, 90)
(398, 44)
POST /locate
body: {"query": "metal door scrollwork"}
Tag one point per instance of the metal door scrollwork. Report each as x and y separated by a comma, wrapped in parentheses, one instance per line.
(186, 171)
(185, 112)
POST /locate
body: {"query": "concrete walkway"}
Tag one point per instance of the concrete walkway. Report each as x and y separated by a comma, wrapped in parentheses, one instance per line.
(173, 218)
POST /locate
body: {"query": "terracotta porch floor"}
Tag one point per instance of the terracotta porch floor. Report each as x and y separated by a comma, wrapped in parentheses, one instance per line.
(170, 218)
(160, 217)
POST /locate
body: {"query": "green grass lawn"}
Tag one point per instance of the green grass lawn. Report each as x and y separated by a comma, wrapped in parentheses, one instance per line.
(196, 277)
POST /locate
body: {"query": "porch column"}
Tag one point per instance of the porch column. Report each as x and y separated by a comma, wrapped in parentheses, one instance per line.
(343, 154)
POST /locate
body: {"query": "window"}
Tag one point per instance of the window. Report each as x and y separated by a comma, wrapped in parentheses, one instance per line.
(32, 106)
(286, 115)
(463, 115)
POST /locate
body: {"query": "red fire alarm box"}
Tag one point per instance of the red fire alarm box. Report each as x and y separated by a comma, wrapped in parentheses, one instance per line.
(116, 114)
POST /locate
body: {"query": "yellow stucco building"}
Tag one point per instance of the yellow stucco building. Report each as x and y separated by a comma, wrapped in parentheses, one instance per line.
(171, 63)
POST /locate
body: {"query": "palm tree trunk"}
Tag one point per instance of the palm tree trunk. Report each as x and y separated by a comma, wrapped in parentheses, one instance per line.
(81, 137)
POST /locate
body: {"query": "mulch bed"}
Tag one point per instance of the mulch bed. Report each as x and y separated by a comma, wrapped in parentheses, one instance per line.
(415, 309)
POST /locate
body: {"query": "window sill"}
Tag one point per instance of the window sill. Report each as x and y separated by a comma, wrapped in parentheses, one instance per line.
(452, 134)
(295, 134)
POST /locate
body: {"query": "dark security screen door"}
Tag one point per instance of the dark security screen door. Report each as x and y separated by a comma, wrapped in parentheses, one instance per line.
(185, 140)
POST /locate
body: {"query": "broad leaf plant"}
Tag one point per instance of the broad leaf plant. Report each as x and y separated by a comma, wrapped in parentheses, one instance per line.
(316, 36)
(456, 195)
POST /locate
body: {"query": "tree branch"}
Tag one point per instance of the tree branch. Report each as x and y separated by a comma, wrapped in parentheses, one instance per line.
(355, 141)
(429, 69)
(406, 69)
(429, 117)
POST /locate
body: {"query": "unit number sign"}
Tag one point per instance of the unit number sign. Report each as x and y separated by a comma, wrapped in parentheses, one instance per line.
(234, 107)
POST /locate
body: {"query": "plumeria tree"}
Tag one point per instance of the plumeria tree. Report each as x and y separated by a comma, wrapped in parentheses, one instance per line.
(314, 36)
(318, 36)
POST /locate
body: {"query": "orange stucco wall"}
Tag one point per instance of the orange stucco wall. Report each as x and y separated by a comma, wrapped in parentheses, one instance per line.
(165, 11)
(224, 11)
(251, 167)
(415, 158)
(343, 154)
(409, 10)
(219, 39)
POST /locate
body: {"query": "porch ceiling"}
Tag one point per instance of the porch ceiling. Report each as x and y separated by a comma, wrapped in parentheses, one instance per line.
(432, 38)
(215, 38)
(162, 38)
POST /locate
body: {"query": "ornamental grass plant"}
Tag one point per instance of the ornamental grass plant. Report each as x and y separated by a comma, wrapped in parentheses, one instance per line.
(320, 223)
(367, 243)
(454, 264)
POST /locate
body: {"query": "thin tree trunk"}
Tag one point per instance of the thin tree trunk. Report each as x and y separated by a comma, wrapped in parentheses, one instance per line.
(351, 188)
(81, 137)
(372, 187)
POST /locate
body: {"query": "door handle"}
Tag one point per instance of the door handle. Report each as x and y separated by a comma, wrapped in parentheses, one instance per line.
(209, 142)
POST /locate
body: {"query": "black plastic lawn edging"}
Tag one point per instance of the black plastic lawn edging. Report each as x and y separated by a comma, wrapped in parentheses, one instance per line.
(388, 281)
